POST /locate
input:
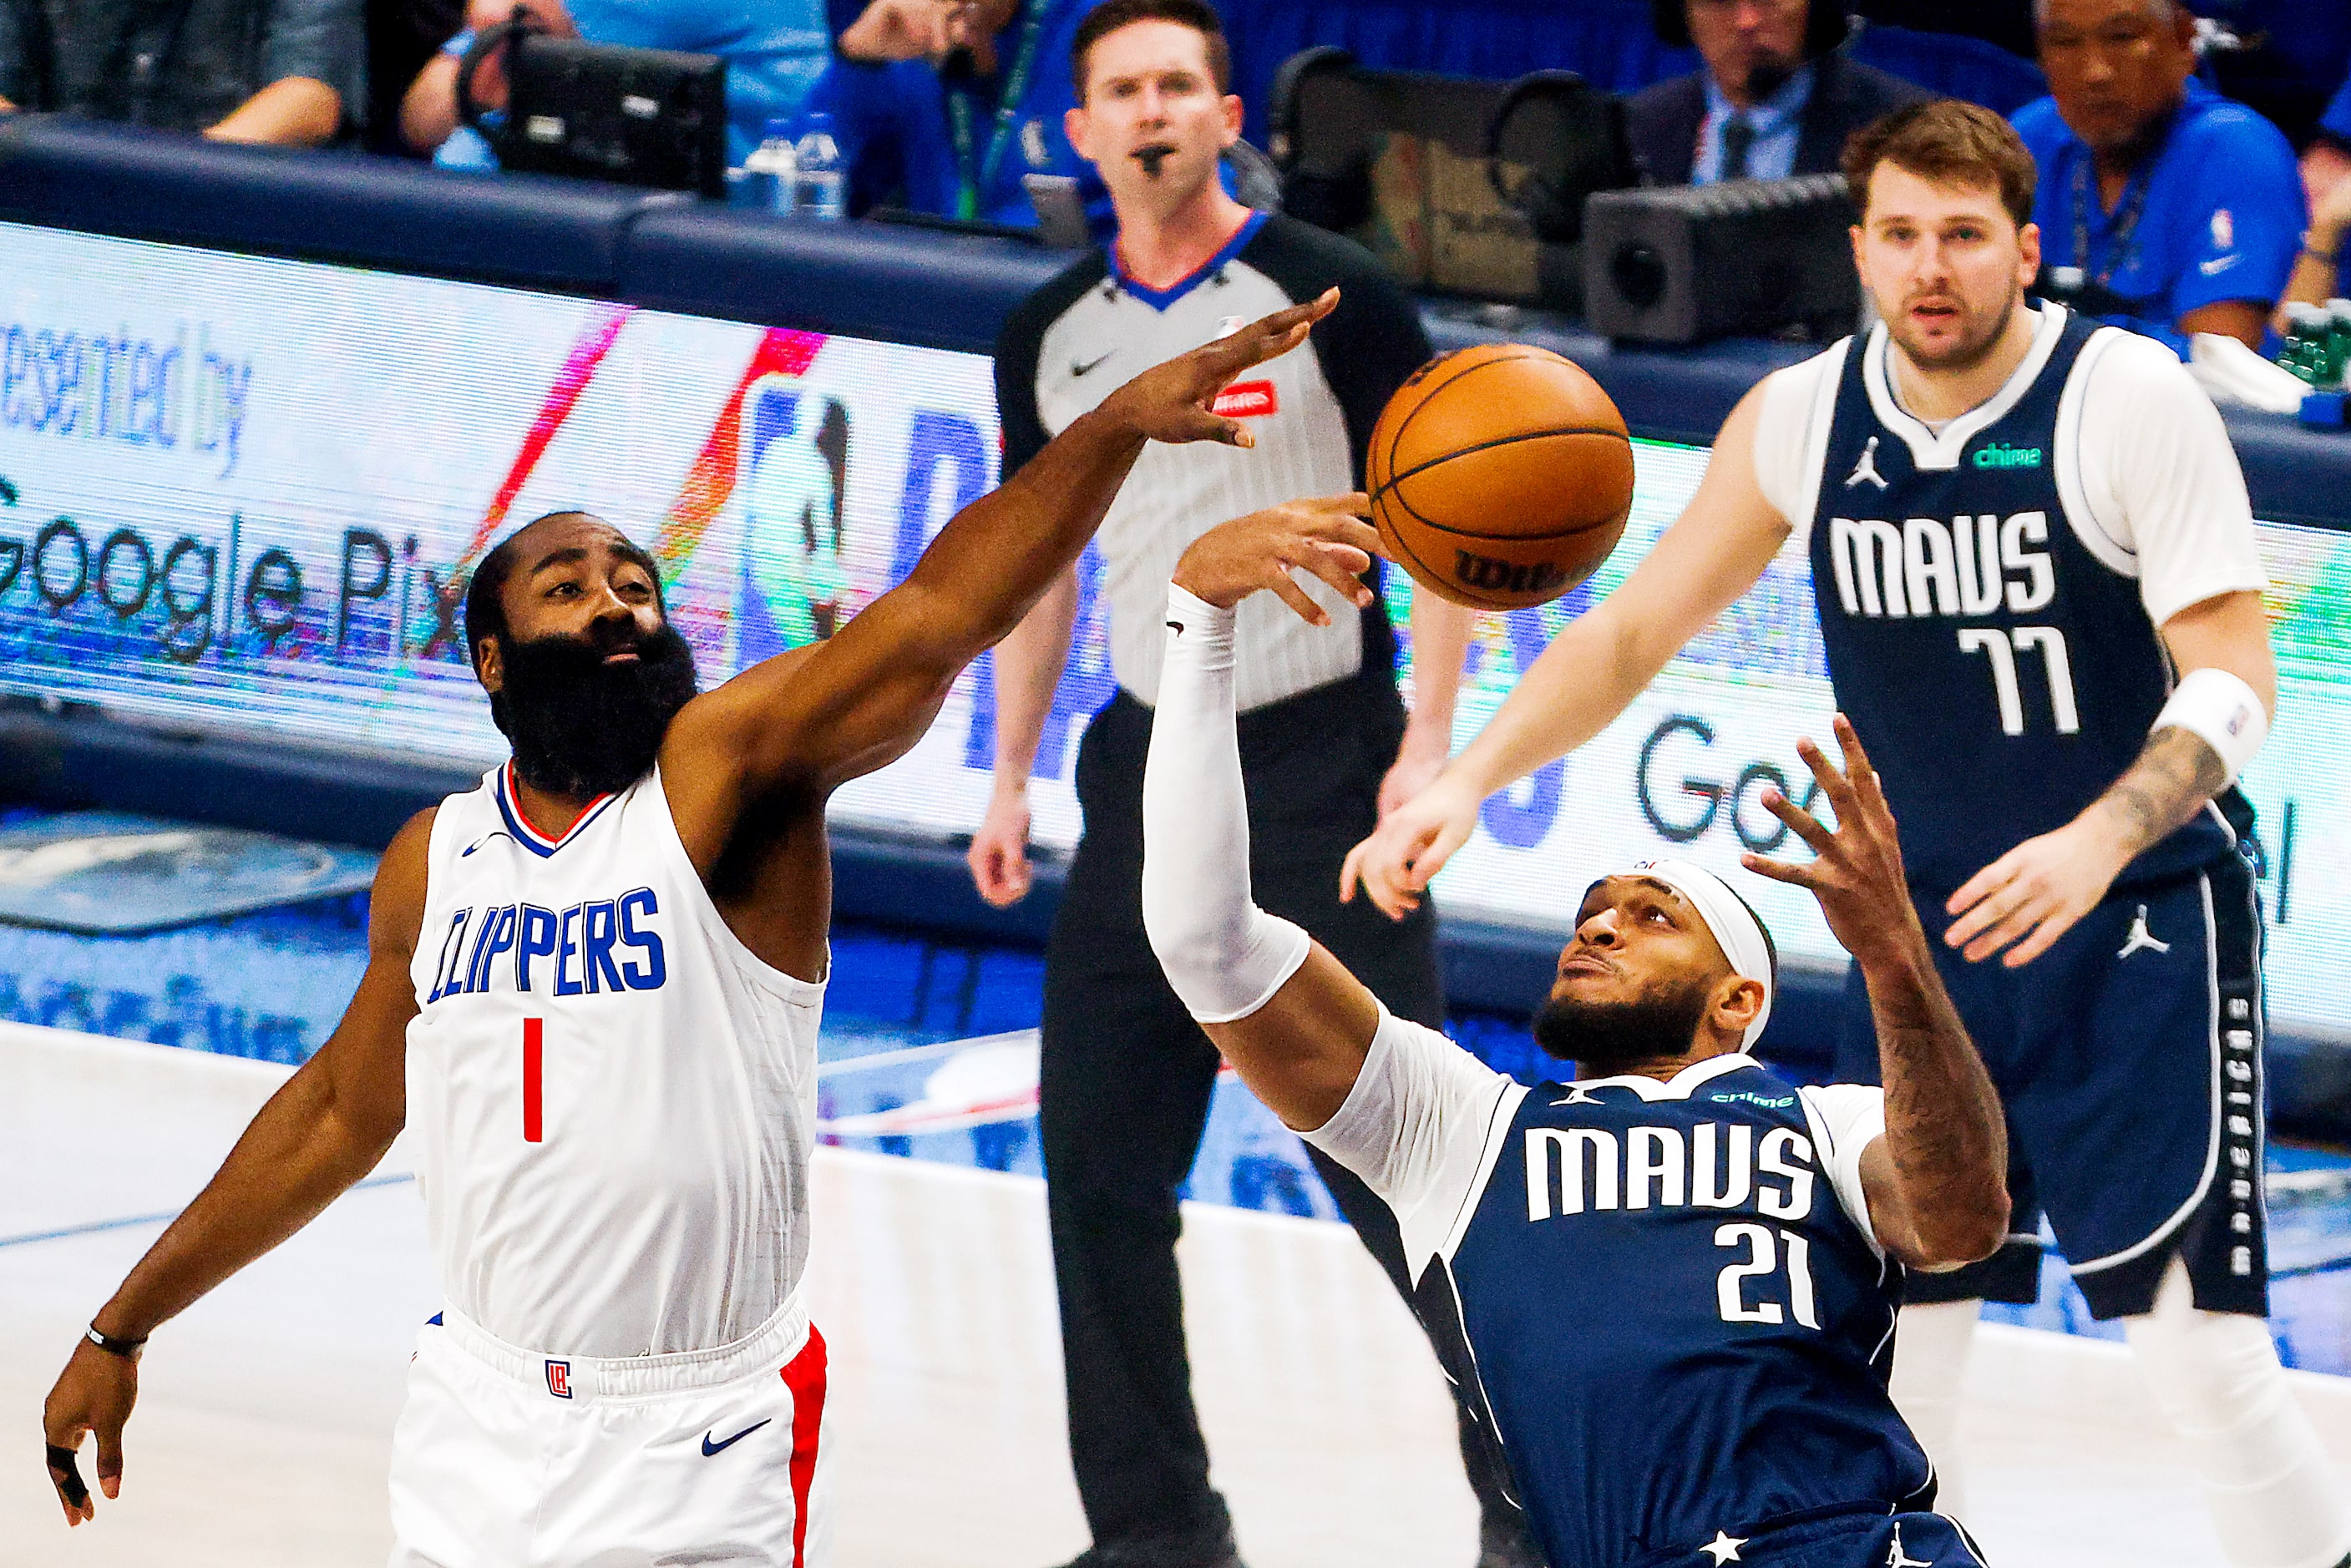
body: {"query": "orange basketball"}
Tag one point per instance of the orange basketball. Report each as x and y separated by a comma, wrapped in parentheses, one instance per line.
(1501, 476)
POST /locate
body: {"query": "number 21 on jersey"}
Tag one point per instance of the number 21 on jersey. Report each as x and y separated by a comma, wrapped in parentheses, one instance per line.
(1763, 1247)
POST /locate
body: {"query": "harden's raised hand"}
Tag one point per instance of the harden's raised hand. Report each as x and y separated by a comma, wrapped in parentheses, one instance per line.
(1171, 403)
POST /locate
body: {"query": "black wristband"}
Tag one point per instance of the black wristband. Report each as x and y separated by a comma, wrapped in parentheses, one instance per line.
(113, 1346)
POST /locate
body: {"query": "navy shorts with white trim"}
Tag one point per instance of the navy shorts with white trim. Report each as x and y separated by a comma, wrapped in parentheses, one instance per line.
(2128, 1059)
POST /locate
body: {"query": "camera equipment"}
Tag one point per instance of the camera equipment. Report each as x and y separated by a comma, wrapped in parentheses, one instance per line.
(1473, 187)
(1686, 262)
(636, 117)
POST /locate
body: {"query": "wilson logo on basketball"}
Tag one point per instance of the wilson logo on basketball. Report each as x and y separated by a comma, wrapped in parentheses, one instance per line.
(1490, 575)
(1247, 400)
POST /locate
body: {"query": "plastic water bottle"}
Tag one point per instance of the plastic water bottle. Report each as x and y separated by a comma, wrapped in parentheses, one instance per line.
(771, 175)
(2306, 332)
(2338, 341)
(824, 182)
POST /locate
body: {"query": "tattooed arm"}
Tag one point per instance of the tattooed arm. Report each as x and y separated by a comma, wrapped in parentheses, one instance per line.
(1937, 1182)
(2023, 901)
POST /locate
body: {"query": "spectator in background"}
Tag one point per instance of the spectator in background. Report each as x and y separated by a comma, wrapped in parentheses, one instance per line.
(2163, 206)
(2322, 270)
(1776, 97)
(773, 49)
(283, 72)
(941, 105)
(404, 36)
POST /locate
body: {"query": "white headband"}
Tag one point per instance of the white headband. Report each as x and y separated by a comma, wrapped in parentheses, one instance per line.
(1736, 929)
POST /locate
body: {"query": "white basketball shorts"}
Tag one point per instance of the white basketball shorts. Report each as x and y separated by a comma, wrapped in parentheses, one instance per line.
(505, 1457)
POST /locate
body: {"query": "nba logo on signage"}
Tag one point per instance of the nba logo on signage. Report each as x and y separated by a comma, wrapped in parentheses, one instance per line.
(559, 1379)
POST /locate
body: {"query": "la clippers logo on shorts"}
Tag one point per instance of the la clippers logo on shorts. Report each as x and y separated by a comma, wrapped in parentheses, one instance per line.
(559, 1379)
(1247, 400)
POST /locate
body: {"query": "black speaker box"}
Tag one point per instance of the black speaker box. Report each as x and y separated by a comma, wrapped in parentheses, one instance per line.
(1744, 257)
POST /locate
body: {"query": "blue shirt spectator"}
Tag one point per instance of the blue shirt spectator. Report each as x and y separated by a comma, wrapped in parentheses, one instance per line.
(775, 51)
(954, 140)
(2162, 206)
(281, 72)
(2324, 270)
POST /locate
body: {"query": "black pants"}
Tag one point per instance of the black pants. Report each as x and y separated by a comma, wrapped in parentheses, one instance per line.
(1127, 1076)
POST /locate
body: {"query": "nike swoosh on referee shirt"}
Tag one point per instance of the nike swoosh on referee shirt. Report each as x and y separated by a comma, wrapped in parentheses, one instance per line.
(709, 1447)
(1077, 370)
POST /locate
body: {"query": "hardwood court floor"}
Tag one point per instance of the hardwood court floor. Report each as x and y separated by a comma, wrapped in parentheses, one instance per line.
(264, 1425)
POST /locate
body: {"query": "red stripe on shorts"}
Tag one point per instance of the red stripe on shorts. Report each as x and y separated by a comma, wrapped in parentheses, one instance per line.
(804, 1375)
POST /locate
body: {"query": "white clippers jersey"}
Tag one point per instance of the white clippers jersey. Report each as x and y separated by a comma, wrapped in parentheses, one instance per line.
(612, 1100)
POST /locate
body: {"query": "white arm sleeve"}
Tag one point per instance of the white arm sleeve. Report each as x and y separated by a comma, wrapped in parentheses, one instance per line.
(1421, 1127)
(1846, 1119)
(1224, 956)
(2161, 481)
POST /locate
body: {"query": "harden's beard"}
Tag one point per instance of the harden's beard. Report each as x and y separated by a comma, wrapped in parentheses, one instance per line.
(1605, 1038)
(581, 727)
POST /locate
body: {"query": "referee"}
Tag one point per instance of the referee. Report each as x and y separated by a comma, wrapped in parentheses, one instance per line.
(1127, 1075)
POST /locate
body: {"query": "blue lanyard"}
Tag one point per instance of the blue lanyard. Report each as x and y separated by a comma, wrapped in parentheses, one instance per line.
(2126, 216)
(971, 181)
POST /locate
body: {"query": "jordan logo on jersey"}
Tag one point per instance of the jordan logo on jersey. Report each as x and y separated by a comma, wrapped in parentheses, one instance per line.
(2140, 939)
(1867, 468)
(1898, 1558)
(606, 945)
(1925, 566)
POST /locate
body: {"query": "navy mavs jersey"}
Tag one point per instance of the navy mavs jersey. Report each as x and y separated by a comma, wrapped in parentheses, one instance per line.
(1672, 1315)
(1981, 632)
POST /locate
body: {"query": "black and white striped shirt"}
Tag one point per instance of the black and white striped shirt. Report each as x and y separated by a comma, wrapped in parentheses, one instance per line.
(1092, 329)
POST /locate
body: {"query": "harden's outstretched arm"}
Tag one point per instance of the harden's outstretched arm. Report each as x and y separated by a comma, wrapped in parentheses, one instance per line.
(811, 719)
(1938, 1181)
(324, 1129)
(1288, 1015)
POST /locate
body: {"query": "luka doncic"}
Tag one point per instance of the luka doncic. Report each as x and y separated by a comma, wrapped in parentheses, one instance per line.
(2035, 568)
(1668, 1287)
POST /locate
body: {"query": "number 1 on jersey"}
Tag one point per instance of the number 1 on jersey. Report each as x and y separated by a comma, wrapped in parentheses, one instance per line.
(533, 1050)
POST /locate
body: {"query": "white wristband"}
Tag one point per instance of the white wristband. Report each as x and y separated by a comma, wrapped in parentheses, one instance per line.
(2223, 712)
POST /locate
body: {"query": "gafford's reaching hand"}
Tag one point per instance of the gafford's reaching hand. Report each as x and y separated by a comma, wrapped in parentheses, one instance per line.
(1410, 846)
(1857, 876)
(1170, 402)
(93, 1394)
(1325, 535)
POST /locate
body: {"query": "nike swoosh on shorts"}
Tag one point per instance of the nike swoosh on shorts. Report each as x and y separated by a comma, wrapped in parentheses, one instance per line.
(709, 1447)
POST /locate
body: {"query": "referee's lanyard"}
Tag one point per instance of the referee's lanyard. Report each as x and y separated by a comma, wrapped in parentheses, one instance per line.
(973, 176)
(2125, 233)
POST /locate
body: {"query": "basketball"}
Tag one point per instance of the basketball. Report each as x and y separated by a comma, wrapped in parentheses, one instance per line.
(1501, 476)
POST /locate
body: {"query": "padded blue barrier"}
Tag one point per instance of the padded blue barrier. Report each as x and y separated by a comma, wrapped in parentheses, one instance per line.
(536, 232)
(908, 285)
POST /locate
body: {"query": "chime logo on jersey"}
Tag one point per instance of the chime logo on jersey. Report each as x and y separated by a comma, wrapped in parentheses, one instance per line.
(595, 948)
(1925, 566)
(1713, 1164)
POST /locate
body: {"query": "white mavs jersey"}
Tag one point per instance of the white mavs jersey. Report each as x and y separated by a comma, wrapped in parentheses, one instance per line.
(612, 1100)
